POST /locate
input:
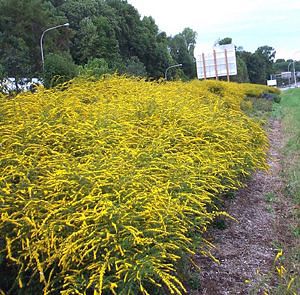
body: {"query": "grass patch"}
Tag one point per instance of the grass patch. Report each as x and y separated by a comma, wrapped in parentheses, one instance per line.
(270, 197)
(290, 108)
(288, 267)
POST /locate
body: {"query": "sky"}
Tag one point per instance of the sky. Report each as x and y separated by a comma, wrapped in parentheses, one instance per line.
(251, 23)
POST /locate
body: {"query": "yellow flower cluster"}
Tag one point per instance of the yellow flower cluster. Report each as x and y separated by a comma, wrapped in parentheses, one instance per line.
(105, 185)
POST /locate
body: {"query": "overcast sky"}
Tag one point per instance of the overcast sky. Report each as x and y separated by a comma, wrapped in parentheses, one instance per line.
(250, 23)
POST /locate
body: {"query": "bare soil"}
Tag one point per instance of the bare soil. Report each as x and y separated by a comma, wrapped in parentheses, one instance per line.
(246, 248)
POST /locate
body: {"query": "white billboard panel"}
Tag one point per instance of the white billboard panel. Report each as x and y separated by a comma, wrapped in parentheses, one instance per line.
(221, 61)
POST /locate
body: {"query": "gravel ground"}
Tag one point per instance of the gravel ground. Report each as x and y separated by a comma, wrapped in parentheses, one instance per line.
(246, 248)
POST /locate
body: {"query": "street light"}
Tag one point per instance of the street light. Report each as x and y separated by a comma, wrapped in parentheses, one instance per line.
(173, 66)
(295, 80)
(41, 40)
(294, 72)
(290, 73)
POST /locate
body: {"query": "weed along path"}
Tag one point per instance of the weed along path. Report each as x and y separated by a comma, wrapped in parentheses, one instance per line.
(246, 248)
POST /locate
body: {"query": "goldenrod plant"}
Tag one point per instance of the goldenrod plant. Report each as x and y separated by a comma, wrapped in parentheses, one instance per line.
(105, 185)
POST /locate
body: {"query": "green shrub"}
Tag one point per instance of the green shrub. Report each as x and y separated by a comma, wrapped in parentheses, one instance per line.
(58, 69)
(95, 67)
(277, 98)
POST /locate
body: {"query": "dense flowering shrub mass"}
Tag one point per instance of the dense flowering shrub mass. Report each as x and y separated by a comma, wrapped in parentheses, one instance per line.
(105, 185)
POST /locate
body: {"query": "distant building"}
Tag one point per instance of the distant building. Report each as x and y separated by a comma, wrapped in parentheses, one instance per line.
(24, 84)
(286, 75)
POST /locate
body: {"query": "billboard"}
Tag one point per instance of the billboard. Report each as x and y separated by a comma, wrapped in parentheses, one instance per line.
(272, 82)
(221, 61)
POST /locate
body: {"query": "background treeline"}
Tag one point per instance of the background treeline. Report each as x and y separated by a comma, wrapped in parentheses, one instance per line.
(258, 67)
(104, 36)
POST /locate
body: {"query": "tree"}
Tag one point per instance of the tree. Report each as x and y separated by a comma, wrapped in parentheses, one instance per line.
(259, 64)
(15, 57)
(152, 48)
(280, 65)
(76, 11)
(135, 67)
(182, 51)
(127, 25)
(224, 41)
(242, 71)
(256, 67)
(86, 41)
(266, 54)
(95, 39)
(189, 37)
(94, 30)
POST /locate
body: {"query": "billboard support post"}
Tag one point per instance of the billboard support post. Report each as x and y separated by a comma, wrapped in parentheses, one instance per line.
(216, 66)
(204, 67)
(227, 68)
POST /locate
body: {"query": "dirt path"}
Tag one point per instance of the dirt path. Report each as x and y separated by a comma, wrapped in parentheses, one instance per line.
(246, 248)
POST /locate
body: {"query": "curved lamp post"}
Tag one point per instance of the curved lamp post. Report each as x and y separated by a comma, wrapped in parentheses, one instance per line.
(173, 66)
(41, 40)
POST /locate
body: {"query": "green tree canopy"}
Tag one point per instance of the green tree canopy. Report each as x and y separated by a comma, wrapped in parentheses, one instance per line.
(113, 30)
(182, 51)
(110, 31)
(21, 25)
(224, 41)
